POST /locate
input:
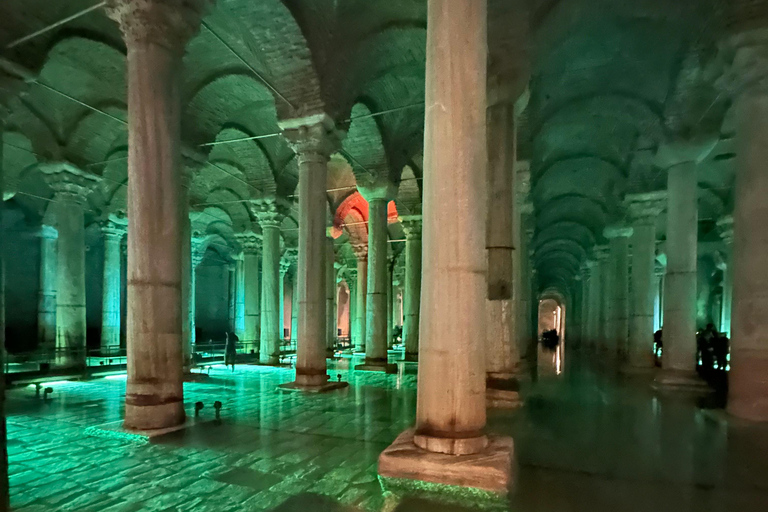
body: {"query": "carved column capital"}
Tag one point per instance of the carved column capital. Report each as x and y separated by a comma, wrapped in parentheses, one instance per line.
(69, 183)
(725, 228)
(112, 231)
(360, 250)
(617, 232)
(168, 23)
(601, 253)
(197, 246)
(313, 139)
(250, 242)
(270, 211)
(412, 225)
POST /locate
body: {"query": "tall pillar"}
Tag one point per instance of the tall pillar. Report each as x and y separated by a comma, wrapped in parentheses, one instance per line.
(591, 304)
(46, 308)
(155, 34)
(270, 213)
(239, 323)
(250, 242)
(71, 187)
(450, 411)
(618, 238)
(232, 293)
(4, 484)
(110, 316)
(725, 227)
(643, 209)
(197, 252)
(526, 339)
(376, 303)
(352, 283)
(603, 284)
(679, 354)
(390, 303)
(330, 296)
(412, 295)
(361, 251)
(748, 385)
(313, 144)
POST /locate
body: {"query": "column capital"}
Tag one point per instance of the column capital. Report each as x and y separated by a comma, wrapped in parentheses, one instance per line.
(360, 250)
(68, 182)
(289, 257)
(167, 23)
(112, 231)
(682, 151)
(725, 228)
(412, 225)
(270, 211)
(617, 231)
(249, 241)
(600, 253)
(312, 138)
(197, 247)
(646, 207)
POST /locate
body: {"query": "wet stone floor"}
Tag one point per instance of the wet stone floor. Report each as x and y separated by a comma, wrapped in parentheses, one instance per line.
(584, 442)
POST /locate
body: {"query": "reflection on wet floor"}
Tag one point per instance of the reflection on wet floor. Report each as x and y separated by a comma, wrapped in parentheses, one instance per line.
(584, 442)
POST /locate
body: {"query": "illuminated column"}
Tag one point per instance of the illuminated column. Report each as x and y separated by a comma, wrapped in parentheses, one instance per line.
(285, 267)
(46, 309)
(589, 280)
(643, 209)
(412, 295)
(155, 35)
(197, 252)
(679, 354)
(390, 304)
(361, 251)
(110, 316)
(725, 226)
(71, 187)
(232, 293)
(748, 381)
(450, 416)
(524, 304)
(352, 283)
(618, 239)
(250, 242)
(602, 283)
(376, 303)
(330, 296)
(270, 213)
(313, 144)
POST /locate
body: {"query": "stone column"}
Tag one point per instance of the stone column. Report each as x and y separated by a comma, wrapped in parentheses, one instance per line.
(330, 296)
(232, 293)
(4, 484)
(270, 213)
(591, 304)
(643, 210)
(376, 303)
(523, 322)
(46, 308)
(602, 283)
(71, 187)
(197, 252)
(412, 295)
(450, 416)
(618, 238)
(361, 251)
(250, 242)
(285, 267)
(239, 316)
(155, 34)
(725, 227)
(313, 142)
(679, 354)
(110, 316)
(352, 283)
(748, 378)
(390, 304)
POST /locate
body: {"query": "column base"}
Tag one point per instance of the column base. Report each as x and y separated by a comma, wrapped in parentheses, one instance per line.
(482, 479)
(152, 417)
(502, 391)
(376, 365)
(680, 381)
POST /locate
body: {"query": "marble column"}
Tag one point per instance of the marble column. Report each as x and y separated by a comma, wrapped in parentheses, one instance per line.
(643, 210)
(412, 294)
(748, 378)
(352, 283)
(155, 35)
(251, 244)
(591, 280)
(725, 227)
(603, 284)
(390, 303)
(110, 312)
(679, 354)
(376, 302)
(330, 296)
(197, 252)
(524, 300)
(450, 411)
(285, 267)
(4, 484)
(231, 268)
(46, 306)
(239, 323)
(71, 187)
(361, 251)
(618, 240)
(313, 141)
(270, 213)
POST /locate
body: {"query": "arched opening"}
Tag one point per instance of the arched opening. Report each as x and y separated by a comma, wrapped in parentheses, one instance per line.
(342, 310)
(551, 334)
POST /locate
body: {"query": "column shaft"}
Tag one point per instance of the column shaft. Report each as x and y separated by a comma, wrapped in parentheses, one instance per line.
(271, 328)
(412, 295)
(330, 296)
(680, 282)
(251, 305)
(619, 305)
(643, 294)
(110, 320)
(46, 309)
(450, 412)
(376, 306)
(362, 296)
(240, 298)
